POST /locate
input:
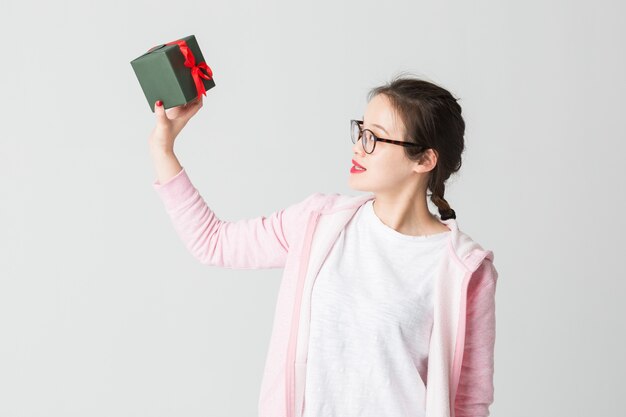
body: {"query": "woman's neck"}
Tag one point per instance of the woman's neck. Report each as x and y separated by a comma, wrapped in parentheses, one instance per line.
(409, 218)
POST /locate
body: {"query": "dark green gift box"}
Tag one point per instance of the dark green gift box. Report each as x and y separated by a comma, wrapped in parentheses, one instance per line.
(173, 72)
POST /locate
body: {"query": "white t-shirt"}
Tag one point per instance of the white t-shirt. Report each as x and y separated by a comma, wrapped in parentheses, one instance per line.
(371, 320)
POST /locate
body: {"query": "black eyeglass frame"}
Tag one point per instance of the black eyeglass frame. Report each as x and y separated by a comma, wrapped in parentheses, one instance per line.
(376, 138)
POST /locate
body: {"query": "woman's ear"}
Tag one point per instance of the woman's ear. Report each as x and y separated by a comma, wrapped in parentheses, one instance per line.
(427, 160)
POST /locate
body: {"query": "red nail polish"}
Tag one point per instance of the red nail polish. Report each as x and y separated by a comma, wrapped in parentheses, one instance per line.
(159, 103)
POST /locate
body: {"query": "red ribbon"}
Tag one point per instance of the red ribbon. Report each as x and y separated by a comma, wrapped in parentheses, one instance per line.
(190, 61)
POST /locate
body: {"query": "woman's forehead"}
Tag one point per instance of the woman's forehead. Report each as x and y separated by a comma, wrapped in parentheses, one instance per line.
(381, 114)
(381, 127)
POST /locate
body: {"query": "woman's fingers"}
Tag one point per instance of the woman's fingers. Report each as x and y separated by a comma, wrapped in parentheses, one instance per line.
(159, 111)
(186, 111)
(181, 113)
(194, 106)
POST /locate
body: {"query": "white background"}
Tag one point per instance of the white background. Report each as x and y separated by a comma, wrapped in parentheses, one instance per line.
(104, 313)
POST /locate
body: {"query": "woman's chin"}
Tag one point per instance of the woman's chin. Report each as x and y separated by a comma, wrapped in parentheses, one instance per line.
(354, 185)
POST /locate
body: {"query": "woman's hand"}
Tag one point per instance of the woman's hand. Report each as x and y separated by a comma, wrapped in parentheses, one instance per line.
(170, 122)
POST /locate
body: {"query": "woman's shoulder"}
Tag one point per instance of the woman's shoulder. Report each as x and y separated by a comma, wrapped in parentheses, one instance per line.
(336, 201)
(323, 203)
(468, 250)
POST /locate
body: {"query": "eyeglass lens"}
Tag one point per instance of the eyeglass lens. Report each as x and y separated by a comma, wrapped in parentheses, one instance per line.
(367, 138)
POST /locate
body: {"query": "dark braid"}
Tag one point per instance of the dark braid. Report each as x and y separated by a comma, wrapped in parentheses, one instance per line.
(436, 197)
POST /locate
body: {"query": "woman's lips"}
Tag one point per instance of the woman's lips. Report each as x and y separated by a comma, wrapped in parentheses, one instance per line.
(354, 170)
(356, 167)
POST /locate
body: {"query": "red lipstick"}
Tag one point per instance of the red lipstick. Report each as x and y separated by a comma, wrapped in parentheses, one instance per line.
(357, 168)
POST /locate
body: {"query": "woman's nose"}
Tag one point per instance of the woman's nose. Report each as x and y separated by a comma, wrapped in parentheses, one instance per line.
(358, 148)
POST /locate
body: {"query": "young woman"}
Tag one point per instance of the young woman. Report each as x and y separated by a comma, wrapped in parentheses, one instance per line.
(384, 308)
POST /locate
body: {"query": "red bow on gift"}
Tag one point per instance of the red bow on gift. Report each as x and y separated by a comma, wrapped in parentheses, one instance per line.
(190, 61)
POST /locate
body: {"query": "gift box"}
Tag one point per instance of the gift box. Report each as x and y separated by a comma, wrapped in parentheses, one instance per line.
(173, 72)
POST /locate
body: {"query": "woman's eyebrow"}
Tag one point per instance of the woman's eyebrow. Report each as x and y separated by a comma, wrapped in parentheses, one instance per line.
(374, 124)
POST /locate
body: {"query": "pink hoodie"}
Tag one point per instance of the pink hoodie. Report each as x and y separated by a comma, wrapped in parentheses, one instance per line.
(298, 238)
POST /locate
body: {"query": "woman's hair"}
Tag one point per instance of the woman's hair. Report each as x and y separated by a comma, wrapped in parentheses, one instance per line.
(432, 118)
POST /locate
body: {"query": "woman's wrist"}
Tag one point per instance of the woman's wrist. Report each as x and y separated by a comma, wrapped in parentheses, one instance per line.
(161, 149)
(165, 163)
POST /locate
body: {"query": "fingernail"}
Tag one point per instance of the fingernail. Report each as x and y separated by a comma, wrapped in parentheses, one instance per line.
(159, 103)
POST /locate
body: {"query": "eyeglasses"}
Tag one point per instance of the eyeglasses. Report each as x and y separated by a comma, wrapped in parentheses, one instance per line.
(369, 139)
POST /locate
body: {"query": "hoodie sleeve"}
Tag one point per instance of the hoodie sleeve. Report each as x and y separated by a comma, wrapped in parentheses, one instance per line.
(260, 242)
(475, 390)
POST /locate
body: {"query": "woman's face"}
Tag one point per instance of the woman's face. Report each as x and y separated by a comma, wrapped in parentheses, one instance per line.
(388, 170)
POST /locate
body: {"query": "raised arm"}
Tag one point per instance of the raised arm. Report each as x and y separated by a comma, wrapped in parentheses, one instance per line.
(261, 242)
